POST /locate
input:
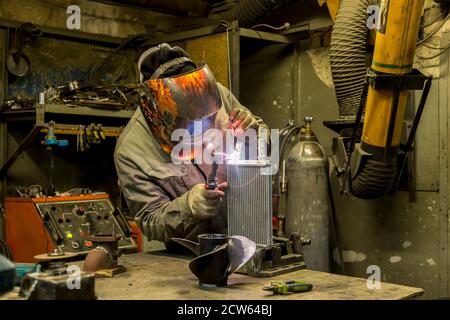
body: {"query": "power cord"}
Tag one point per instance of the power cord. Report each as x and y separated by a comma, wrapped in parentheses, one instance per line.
(441, 24)
(286, 26)
(436, 55)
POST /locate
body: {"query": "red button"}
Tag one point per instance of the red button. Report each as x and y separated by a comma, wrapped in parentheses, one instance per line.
(88, 243)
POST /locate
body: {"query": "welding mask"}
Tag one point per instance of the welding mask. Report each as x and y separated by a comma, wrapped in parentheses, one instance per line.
(187, 101)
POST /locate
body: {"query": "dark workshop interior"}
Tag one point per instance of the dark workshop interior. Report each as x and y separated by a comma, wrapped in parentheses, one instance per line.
(224, 150)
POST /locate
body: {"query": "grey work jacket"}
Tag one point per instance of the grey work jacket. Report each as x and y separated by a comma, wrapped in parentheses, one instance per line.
(156, 189)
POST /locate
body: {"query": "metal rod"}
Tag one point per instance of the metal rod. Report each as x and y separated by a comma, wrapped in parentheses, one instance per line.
(65, 33)
(392, 120)
(25, 143)
(415, 125)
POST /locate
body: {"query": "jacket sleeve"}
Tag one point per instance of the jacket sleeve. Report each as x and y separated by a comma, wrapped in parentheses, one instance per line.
(158, 216)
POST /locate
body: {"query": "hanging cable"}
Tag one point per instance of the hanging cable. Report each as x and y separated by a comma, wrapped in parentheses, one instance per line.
(285, 26)
(436, 55)
(441, 24)
(439, 17)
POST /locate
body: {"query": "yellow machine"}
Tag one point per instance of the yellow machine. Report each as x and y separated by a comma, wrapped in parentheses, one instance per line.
(394, 54)
(375, 170)
(370, 168)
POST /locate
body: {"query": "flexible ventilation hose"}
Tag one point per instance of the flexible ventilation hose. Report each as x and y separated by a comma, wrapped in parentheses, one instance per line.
(248, 12)
(348, 53)
(374, 180)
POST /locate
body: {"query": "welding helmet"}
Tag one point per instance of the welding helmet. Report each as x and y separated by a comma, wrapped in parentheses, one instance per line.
(188, 101)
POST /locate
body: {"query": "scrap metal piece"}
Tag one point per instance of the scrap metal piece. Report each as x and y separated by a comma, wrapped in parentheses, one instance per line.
(281, 257)
(211, 268)
(240, 250)
(218, 256)
(18, 63)
(105, 254)
(57, 281)
(43, 286)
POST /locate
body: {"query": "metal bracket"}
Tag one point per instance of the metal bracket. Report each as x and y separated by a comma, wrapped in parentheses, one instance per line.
(412, 81)
(409, 144)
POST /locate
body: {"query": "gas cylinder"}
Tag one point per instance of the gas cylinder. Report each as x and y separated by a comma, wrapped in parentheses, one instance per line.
(308, 201)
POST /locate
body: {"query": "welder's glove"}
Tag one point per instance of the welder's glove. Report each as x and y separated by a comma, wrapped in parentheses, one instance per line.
(242, 119)
(204, 204)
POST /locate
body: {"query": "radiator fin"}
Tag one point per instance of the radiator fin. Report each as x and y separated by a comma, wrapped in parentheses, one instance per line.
(249, 203)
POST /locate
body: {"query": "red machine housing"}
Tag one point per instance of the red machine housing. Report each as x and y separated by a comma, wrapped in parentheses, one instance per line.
(28, 234)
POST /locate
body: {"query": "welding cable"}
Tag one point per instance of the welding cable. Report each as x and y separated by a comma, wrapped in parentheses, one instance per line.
(286, 134)
(439, 17)
(444, 49)
(431, 47)
(435, 30)
(285, 26)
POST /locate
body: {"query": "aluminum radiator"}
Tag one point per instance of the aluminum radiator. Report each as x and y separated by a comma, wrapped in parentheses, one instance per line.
(249, 201)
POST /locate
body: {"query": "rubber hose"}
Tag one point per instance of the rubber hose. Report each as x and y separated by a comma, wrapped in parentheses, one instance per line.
(285, 137)
(248, 12)
(374, 179)
(348, 53)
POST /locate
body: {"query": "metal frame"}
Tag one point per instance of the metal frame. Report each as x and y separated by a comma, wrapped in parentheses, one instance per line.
(68, 34)
(41, 110)
(444, 162)
(3, 126)
(39, 126)
(412, 81)
(217, 28)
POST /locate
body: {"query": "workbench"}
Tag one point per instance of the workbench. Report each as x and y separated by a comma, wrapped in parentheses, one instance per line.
(161, 276)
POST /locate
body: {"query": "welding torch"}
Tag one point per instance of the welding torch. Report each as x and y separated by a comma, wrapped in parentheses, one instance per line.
(211, 182)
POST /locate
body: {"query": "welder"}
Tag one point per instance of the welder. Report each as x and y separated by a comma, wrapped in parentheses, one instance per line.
(171, 198)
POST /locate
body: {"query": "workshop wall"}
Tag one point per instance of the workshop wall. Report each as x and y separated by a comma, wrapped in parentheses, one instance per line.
(268, 78)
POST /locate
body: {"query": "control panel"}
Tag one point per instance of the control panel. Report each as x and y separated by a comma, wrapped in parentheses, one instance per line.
(69, 221)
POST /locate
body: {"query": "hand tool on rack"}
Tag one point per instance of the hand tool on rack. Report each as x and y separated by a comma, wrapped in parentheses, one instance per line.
(101, 132)
(95, 131)
(82, 141)
(286, 287)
